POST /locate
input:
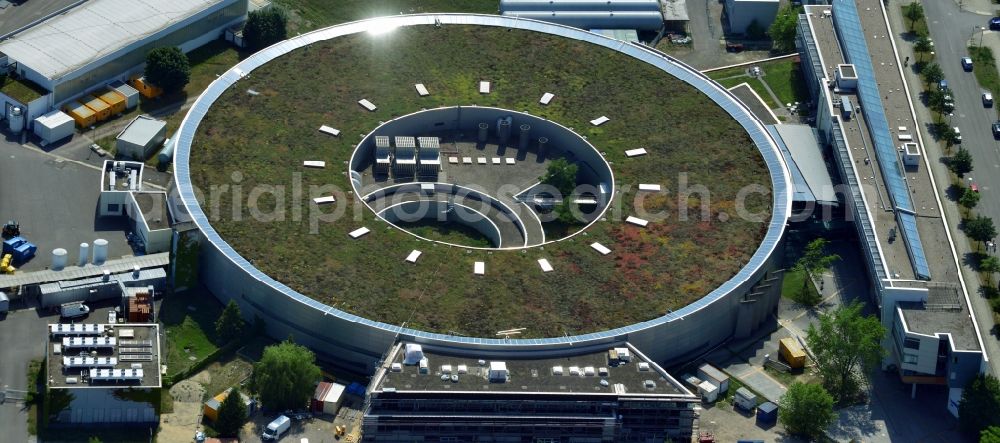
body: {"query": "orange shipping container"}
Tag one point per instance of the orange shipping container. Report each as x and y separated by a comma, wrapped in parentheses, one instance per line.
(114, 99)
(101, 109)
(83, 115)
(146, 89)
(792, 352)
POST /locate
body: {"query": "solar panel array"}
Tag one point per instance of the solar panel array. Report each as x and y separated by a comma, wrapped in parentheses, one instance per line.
(67, 329)
(89, 362)
(88, 342)
(848, 25)
(115, 374)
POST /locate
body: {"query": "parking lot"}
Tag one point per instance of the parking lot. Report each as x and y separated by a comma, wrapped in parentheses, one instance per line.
(319, 429)
(17, 13)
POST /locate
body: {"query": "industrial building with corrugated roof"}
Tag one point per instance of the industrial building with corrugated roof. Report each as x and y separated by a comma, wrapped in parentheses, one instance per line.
(101, 41)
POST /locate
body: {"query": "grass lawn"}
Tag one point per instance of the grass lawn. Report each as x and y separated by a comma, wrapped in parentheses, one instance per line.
(312, 14)
(224, 374)
(454, 233)
(24, 91)
(918, 27)
(791, 287)
(786, 80)
(756, 84)
(985, 68)
(651, 270)
(189, 321)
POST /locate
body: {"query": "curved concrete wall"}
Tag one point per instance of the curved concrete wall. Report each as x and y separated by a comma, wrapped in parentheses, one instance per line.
(413, 211)
(357, 343)
(467, 119)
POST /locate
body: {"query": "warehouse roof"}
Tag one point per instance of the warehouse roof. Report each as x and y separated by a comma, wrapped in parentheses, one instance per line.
(93, 30)
(54, 119)
(141, 130)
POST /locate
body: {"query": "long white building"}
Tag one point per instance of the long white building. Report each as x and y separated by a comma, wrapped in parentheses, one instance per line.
(105, 40)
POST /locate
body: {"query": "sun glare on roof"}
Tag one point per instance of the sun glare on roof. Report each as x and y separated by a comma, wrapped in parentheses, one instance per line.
(381, 27)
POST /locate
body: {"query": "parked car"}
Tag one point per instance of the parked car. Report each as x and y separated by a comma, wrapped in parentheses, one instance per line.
(943, 85)
(987, 100)
(967, 63)
(958, 134)
(73, 310)
(276, 428)
(995, 23)
(996, 129)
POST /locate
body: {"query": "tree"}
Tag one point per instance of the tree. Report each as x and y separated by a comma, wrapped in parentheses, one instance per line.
(932, 73)
(990, 265)
(265, 27)
(285, 376)
(783, 28)
(969, 198)
(755, 31)
(913, 12)
(990, 435)
(921, 46)
(961, 162)
(806, 409)
(979, 408)
(232, 414)
(230, 324)
(561, 175)
(846, 344)
(938, 102)
(168, 68)
(814, 260)
(980, 228)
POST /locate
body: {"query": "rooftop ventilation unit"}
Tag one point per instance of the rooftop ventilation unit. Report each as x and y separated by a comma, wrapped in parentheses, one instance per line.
(498, 371)
(623, 354)
(643, 366)
(557, 370)
(412, 354)
(423, 365)
(446, 369)
(463, 369)
(589, 371)
(649, 384)
(396, 367)
(847, 77)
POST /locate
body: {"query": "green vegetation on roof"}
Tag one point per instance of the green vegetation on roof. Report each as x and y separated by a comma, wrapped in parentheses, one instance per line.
(650, 271)
(22, 90)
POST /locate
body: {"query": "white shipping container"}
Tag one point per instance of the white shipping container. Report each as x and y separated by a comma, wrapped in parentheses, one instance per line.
(53, 127)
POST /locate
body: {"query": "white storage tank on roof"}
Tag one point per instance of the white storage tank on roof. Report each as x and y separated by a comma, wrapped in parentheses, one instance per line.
(100, 251)
(59, 257)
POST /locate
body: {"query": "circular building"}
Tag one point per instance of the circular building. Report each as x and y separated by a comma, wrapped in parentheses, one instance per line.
(484, 184)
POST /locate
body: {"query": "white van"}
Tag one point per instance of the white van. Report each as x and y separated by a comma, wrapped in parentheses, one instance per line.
(276, 428)
(73, 310)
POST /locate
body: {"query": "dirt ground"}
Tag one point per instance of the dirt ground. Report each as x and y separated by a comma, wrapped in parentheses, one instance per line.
(181, 424)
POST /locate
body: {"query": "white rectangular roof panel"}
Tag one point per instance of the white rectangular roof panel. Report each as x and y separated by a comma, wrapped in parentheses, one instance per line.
(511, 161)
(635, 152)
(484, 87)
(453, 160)
(324, 200)
(359, 232)
(600, 248)
(414, 255)
(54, 119)
(649, 187)
(600, 121)
(314, 164)
(328, 130)
(636, 221)
(467, 160)
(480, 268)
(481, 160)
(422, 90)
(496, 160)
(546, 98)
(95, 29)
(546, 267)
(367, 104)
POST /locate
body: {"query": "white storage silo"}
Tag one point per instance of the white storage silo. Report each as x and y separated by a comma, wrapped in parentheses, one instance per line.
(15, 119)
(59, 256)
(100, 251)
(84, 254)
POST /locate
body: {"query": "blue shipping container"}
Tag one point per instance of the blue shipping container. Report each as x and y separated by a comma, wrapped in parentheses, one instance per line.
(767, 412)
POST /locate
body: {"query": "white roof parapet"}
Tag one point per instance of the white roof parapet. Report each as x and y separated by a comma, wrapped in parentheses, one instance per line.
(600, 248)
(328, 130)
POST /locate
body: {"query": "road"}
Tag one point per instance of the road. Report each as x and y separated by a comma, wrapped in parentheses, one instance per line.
(951, 29)
(26, 333)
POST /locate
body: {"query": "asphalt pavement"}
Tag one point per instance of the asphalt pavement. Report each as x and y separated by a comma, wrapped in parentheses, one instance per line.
(24, 334)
